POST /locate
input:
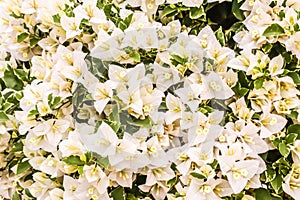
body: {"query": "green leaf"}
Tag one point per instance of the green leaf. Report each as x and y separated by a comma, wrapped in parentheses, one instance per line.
(262, 194)
(131, 197)
(291, 138)
(197, 175)
(15, 196)
(295, 76)
(56, 18)
(17, 147)
(122, 25)
(169, 11)
(220, 36)
(237, 12)
(33, 41)
(73, 160)
(270, 174)
(80, 170)
(145, 123)
(103, 161)
(284, 149)
(277, 183)
(118, 194)
(33, 113)
(258, 83)
(293, 115)
(23, 75)
(135, 56)
(22, 167)
(28, 193)
(128, 19)
(240, 91)
(172, 182)
(178, 59)
(55, 102)
(12, 81)
(273, 30)
(294, 128)
(22, 37)
(3, 117)
(196, 13)
(114, 118)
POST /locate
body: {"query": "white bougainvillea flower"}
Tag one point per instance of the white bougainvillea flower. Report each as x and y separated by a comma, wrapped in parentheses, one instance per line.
(86, 78)
(270, 123)
(41, 186)
(108, 47)
(276, 66)
(291, 183)
(293, 44)
(240, 109)
(202, 154)
(31, 6)
(158, 191)
(239, 174)
(52, 166)
(127, 147)
(287, 87)
(103, 142)
(70, 185)
(72, 145)
(101, 93)
(128, 159)
(70, 26)
(211, 189)
(89, 10)
(93, 190)
(242, 61)
(54, 130)
(164, 77)
(296, 151)
(214, 87)
(251, 139)
(230, 154)
(123, 177)
(175, 108)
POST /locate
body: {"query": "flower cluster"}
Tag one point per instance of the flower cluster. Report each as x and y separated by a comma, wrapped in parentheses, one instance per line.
(149, 99)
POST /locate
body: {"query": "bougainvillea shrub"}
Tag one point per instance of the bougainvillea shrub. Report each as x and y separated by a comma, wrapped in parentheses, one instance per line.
(149, 99)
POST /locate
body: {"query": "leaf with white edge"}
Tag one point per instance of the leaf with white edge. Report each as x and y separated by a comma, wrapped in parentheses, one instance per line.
(197, 175)
(294, 128)
(270, 174)
(103, 161)
(196, 13)
(295, 76)
(3, 117)
(73, 160)
(135, 56)
(23, 166)
(12, 81)
(258, 83)
(237, 12)
(118, 194)
(15, 196)
(273, 30)
(33, 42)
(291, 138)
(220, 36)
(22, 37)
(262, 194)
(284, 149)
(169, 11)
(28, 193)
(277, 183)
